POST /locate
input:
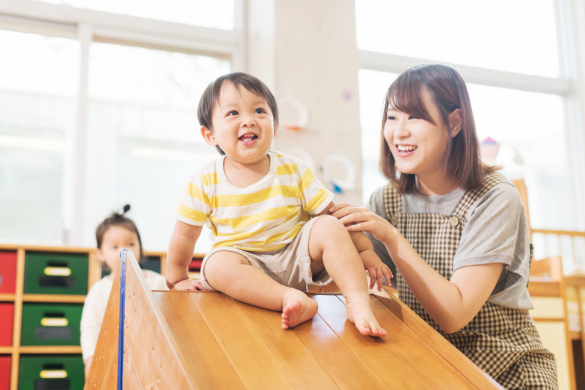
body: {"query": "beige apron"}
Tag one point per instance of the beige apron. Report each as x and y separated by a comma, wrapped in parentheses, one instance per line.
(503, 342)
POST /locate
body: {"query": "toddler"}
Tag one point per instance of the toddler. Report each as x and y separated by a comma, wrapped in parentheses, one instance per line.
(114, 234)
(272, 239)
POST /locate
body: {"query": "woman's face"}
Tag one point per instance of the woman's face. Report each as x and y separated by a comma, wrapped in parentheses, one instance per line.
(419, 147)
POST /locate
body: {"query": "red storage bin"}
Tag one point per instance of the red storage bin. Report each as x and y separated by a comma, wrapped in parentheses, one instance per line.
(5, 372)
(6, 322)
(195, 268)
(195, 265)
(7, 272)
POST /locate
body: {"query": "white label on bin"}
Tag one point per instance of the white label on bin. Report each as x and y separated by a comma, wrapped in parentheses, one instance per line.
(57, 271)
(54, 322)
(47, 374)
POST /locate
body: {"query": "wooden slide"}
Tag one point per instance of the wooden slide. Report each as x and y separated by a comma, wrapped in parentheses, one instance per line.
(206, 340)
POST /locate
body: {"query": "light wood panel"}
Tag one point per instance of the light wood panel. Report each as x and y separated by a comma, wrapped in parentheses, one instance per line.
(548, 290)
(192, 340)
(20, 255)
(202, 353)
(153, 347)
(104, 366)
(290, 353)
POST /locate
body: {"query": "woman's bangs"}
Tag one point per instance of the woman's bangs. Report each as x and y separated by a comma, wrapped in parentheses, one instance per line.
(406, 95)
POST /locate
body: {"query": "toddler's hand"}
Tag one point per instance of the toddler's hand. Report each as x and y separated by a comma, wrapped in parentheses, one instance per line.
(376, 269)
(189, 285)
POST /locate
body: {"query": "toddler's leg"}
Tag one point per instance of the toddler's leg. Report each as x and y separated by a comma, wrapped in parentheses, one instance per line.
(232, 274)
(331, 247)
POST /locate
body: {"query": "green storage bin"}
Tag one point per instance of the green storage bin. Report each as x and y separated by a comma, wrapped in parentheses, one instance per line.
(50, 324)
(56, 273)
(51, 372)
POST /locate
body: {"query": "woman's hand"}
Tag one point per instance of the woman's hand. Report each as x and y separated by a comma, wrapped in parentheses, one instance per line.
(357, 218)
(189, 285)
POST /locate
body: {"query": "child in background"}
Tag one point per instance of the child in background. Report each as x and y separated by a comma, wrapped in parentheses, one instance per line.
(455, 228)
(271, 239)
(114, 234)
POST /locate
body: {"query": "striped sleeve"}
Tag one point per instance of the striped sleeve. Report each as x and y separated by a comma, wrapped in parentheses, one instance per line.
(194, 205)
(316, 196)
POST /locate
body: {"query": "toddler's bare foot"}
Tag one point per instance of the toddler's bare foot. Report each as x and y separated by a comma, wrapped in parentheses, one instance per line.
(297, 307)
(360, 313)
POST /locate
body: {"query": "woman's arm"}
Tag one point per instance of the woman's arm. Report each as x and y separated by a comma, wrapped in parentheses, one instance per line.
(452, 304)
(179, 256)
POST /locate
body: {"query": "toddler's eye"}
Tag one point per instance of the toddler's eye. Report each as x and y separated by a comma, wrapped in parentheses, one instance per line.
(260, 111)
(391, 117)
(231, 113)
(412, 117)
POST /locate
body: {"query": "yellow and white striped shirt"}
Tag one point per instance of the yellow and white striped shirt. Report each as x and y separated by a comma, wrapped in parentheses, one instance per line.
(265, 216)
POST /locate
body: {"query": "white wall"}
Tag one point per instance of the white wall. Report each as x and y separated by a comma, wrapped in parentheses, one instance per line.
(316, 61)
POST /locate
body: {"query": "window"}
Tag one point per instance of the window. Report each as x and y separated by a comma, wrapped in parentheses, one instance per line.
(38, 85)
(144, 119)
(372, 86)
(97, 115)
(508, 54)
(217, 14)
(515, 36)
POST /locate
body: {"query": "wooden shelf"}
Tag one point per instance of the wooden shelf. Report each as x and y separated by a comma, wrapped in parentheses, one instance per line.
(19, 298)
(7, 297)
(41, 248)
(58, 349)
(53, 298)
(544, 288)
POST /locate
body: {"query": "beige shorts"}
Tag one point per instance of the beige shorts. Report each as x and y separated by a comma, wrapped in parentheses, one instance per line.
(289, 266)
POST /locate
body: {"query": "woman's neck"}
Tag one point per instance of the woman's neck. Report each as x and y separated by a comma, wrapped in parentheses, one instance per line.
(436, 185)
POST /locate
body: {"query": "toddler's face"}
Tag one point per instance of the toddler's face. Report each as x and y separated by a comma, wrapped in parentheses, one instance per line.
(243, 125)
(114, 240)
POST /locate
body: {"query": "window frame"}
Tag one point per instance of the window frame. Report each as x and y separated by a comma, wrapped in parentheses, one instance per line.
(570, 86)
(88, 26)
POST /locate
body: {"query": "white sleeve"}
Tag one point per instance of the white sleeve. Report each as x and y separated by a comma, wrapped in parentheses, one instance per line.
(155, 280)
(92, 318)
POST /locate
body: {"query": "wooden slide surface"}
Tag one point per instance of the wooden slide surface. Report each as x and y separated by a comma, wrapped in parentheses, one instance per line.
(206, 340)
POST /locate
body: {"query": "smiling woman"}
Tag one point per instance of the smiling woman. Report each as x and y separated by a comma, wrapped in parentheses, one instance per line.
(454, 229)
(515, 71)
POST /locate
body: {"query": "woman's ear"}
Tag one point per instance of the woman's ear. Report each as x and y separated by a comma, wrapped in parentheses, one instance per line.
(455, 122)
(208, 136)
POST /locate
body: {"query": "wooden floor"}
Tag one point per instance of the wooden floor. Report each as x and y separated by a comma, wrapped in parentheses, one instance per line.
(192, 340)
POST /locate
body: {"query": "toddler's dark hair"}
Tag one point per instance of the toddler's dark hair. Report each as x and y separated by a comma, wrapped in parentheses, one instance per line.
(212, 92)
(118, 219)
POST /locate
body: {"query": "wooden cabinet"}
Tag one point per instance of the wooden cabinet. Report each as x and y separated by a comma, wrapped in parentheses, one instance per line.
(557, 304)
(42, 290)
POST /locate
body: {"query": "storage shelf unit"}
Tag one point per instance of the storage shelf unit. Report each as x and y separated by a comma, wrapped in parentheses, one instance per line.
(30, 282)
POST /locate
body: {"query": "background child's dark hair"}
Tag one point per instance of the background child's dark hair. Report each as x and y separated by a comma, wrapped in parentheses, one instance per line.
(211, 96)
(118, 219)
